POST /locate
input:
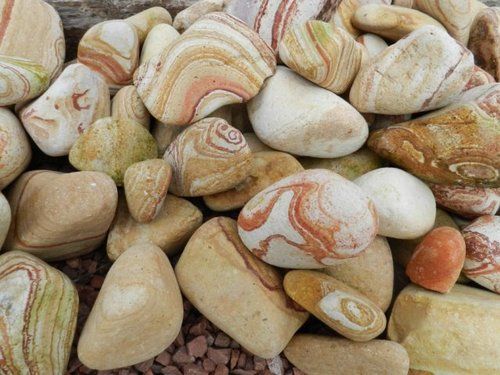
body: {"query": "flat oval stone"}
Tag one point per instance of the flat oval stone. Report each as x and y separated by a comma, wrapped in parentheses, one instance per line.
(322, 53)
(76, 99)
(216, 269)
(326, 355)
(345, 10)
(143, 22)
(128, 105)
(373, 44)
(339, 306)
(111, 146)
(437, 261)
(422, 146)
(184, 84)
(389, 21)
(158, 39)
(186, 17)
(169, 230)
(207, 158)
(386, 86)
(15, 149)
(434, 328)
(146, 185)
(39, 307)
(482, 263)
(311, 219)
(371, 273)
(268, 167)
(293, 115)
(60, 215)
(405, 205)
(137, 314)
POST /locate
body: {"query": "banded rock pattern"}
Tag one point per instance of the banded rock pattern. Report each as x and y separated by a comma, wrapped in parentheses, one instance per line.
(184, 85)
(128, 105)
(144, 21)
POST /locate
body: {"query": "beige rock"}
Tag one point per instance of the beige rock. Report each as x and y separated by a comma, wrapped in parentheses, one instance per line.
(169, 230)
(255, 143)
(236, 291)
(324, 355)
(452, 333)
(127, 104)
(164, 135)
(60, 215)
(5, 218)
(207, 158)
(138, 312)
(389, 21)
(15, 152)
(373, 44)
(268, 167)
(158, 39)
(386, 84)
(345, 10)
(191, 14)
(479, 77)
(76, 99)
(293, 115)
(146, 185)
(371, 273)
(144, 21)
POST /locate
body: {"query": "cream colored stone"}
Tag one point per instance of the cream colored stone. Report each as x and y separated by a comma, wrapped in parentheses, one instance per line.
(5, 218)
(144, 21)
(127, 104)
(164, 135)
(191, 14)
(345, 11)
(373, 44)
(158, 39)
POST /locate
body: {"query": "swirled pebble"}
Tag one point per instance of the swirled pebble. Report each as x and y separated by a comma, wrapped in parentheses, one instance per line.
(311, 219)
(32, 29)
(60, 215)
(76, 99)
(431, 147)
(373, 44)
(467, 201)
(484, 41)
(5, 218)
(111, 48)
(371, 273)
(22, 80)
(326, 355)
(169, 230)
(391, 22)
(405, 205)
(339, 306)
(293, 115)
(321, 53)
(344, 12)
(385, 85)
(434, 329)
(184, 85)
(128, 105)
(437, 261)
(39, 307)
(146, 185)
(192, 13)
(158, 39)
(207, 158)
(138, 312)
(215, 265)
(15, 149)
(482, 262)
(144, 21)
(111, 146)
(267, 168)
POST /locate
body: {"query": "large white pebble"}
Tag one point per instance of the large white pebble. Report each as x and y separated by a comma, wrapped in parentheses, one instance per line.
(405, 205)
(293, 115)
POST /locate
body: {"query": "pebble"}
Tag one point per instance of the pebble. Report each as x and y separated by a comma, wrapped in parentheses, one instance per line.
(435, 328)
(345, 10)
(75, 100)
(339, 306)
(15, 153)
(391, 22)
(159, 38)
(182, 85)
(215, 269)
(268, 167)
(5, 218)
(437, 261)
(111, 146)
(479, 77)
(127, 104)
(484, 41)
(208, 158)
(385, 85)
(322, 53)
(373, 44)
(324, 355)
(482, 263)
(371, 273)
(311, 219)
(293, 115)
(186, 17)
(143, 22)
(60, 215)
(431, 147)
(39, 307)
(138, 312)
(169, 230)
(405, 205)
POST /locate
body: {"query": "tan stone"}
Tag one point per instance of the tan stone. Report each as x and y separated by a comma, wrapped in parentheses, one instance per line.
(5, 218)
(159, 38)
(146, 20)
(191, 14)
(128, 105)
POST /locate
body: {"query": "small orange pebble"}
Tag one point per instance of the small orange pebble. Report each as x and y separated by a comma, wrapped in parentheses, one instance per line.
(438, 260)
